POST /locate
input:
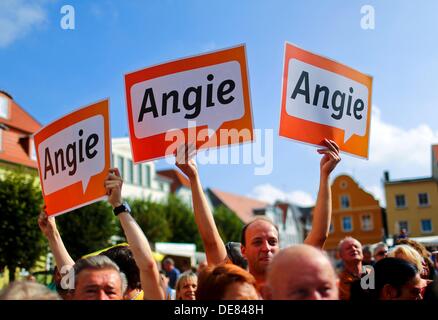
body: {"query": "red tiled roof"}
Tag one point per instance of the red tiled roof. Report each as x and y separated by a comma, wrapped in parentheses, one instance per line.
(20, 119)
(178, 178)
(16, 139)
(241, 205)
(15, 151)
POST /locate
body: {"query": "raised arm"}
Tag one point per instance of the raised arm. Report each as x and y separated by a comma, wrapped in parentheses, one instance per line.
(213, 244)
(60, 253)
(139, 245)
(323, 208)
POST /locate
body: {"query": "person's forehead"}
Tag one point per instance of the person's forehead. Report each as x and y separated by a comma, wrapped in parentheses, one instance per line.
(351, 242)
(261, 228)
(306, 269)
(189, 281)
(99, 277)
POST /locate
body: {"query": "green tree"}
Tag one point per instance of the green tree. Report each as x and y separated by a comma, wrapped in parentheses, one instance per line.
(228, 224)
(182, 222)
(87, 229)
(21, 242)
(151, 217)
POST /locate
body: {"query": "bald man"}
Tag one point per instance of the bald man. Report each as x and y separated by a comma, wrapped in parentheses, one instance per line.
(301, 272)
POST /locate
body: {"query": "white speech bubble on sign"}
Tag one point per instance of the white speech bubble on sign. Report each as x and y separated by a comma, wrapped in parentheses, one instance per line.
(60, 178)
(315, 112)
(213, 116)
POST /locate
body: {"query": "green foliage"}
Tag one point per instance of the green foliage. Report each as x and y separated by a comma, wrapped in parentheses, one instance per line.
(151, 217)
(228, 224)
(21, 242)
(182, 222)
(87, 229)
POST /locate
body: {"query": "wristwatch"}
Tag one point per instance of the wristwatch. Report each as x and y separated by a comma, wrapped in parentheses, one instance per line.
(124, 207)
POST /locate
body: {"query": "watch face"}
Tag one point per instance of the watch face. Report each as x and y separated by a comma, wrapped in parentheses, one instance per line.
(128, 208)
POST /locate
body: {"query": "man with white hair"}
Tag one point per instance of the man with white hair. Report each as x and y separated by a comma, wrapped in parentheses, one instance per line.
(350, 251)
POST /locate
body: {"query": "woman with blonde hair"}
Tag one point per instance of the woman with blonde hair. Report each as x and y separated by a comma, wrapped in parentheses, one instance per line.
(406, 252)
(186, 286)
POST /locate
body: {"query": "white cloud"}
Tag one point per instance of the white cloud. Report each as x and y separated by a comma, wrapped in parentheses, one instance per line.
(377, 192)
(402, 148)
(269, 193)
(18, 18)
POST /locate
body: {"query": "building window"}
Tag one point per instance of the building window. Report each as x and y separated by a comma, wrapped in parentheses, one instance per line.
(332, 228)
(4, 107)
(403, 225)
(344, 185)
(148, 176)
(423, 200)
(130, 173)
(140, 174)
(367, 222)
(33, 155)
(347, 224)
(345, 202)
(121, 166)
(426, 225)
(400, 201)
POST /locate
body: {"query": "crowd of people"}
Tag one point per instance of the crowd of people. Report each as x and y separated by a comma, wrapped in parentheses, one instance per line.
(257, 268)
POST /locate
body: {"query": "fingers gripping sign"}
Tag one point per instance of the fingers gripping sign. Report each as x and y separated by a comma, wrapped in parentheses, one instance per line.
(184, 160)
(113, 186)
(331, 157)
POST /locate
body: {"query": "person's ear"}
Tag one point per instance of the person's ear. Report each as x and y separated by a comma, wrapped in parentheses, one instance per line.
(389, 292)
(242, 250)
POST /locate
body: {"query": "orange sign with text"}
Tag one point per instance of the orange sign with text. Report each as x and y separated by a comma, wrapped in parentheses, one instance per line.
(73, 156)
(322, 98)
(203, 100)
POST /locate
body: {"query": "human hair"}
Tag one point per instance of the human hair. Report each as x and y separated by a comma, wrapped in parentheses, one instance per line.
(347, 238)
(416, 245)
(366, 249)
(98, 262)
(258, 218)
(394, 272)
(169, 260)
(425, 254)
(188, 275)
(214, 281)
(28, 290)
(407, 253)
(123, 257)
(235, 254)
(378, 246)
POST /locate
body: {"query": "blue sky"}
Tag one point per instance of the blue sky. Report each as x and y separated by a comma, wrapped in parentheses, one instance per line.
(51, 71)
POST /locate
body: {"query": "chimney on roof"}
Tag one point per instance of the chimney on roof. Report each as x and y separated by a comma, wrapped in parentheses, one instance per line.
(435, 161)
(386, 176)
